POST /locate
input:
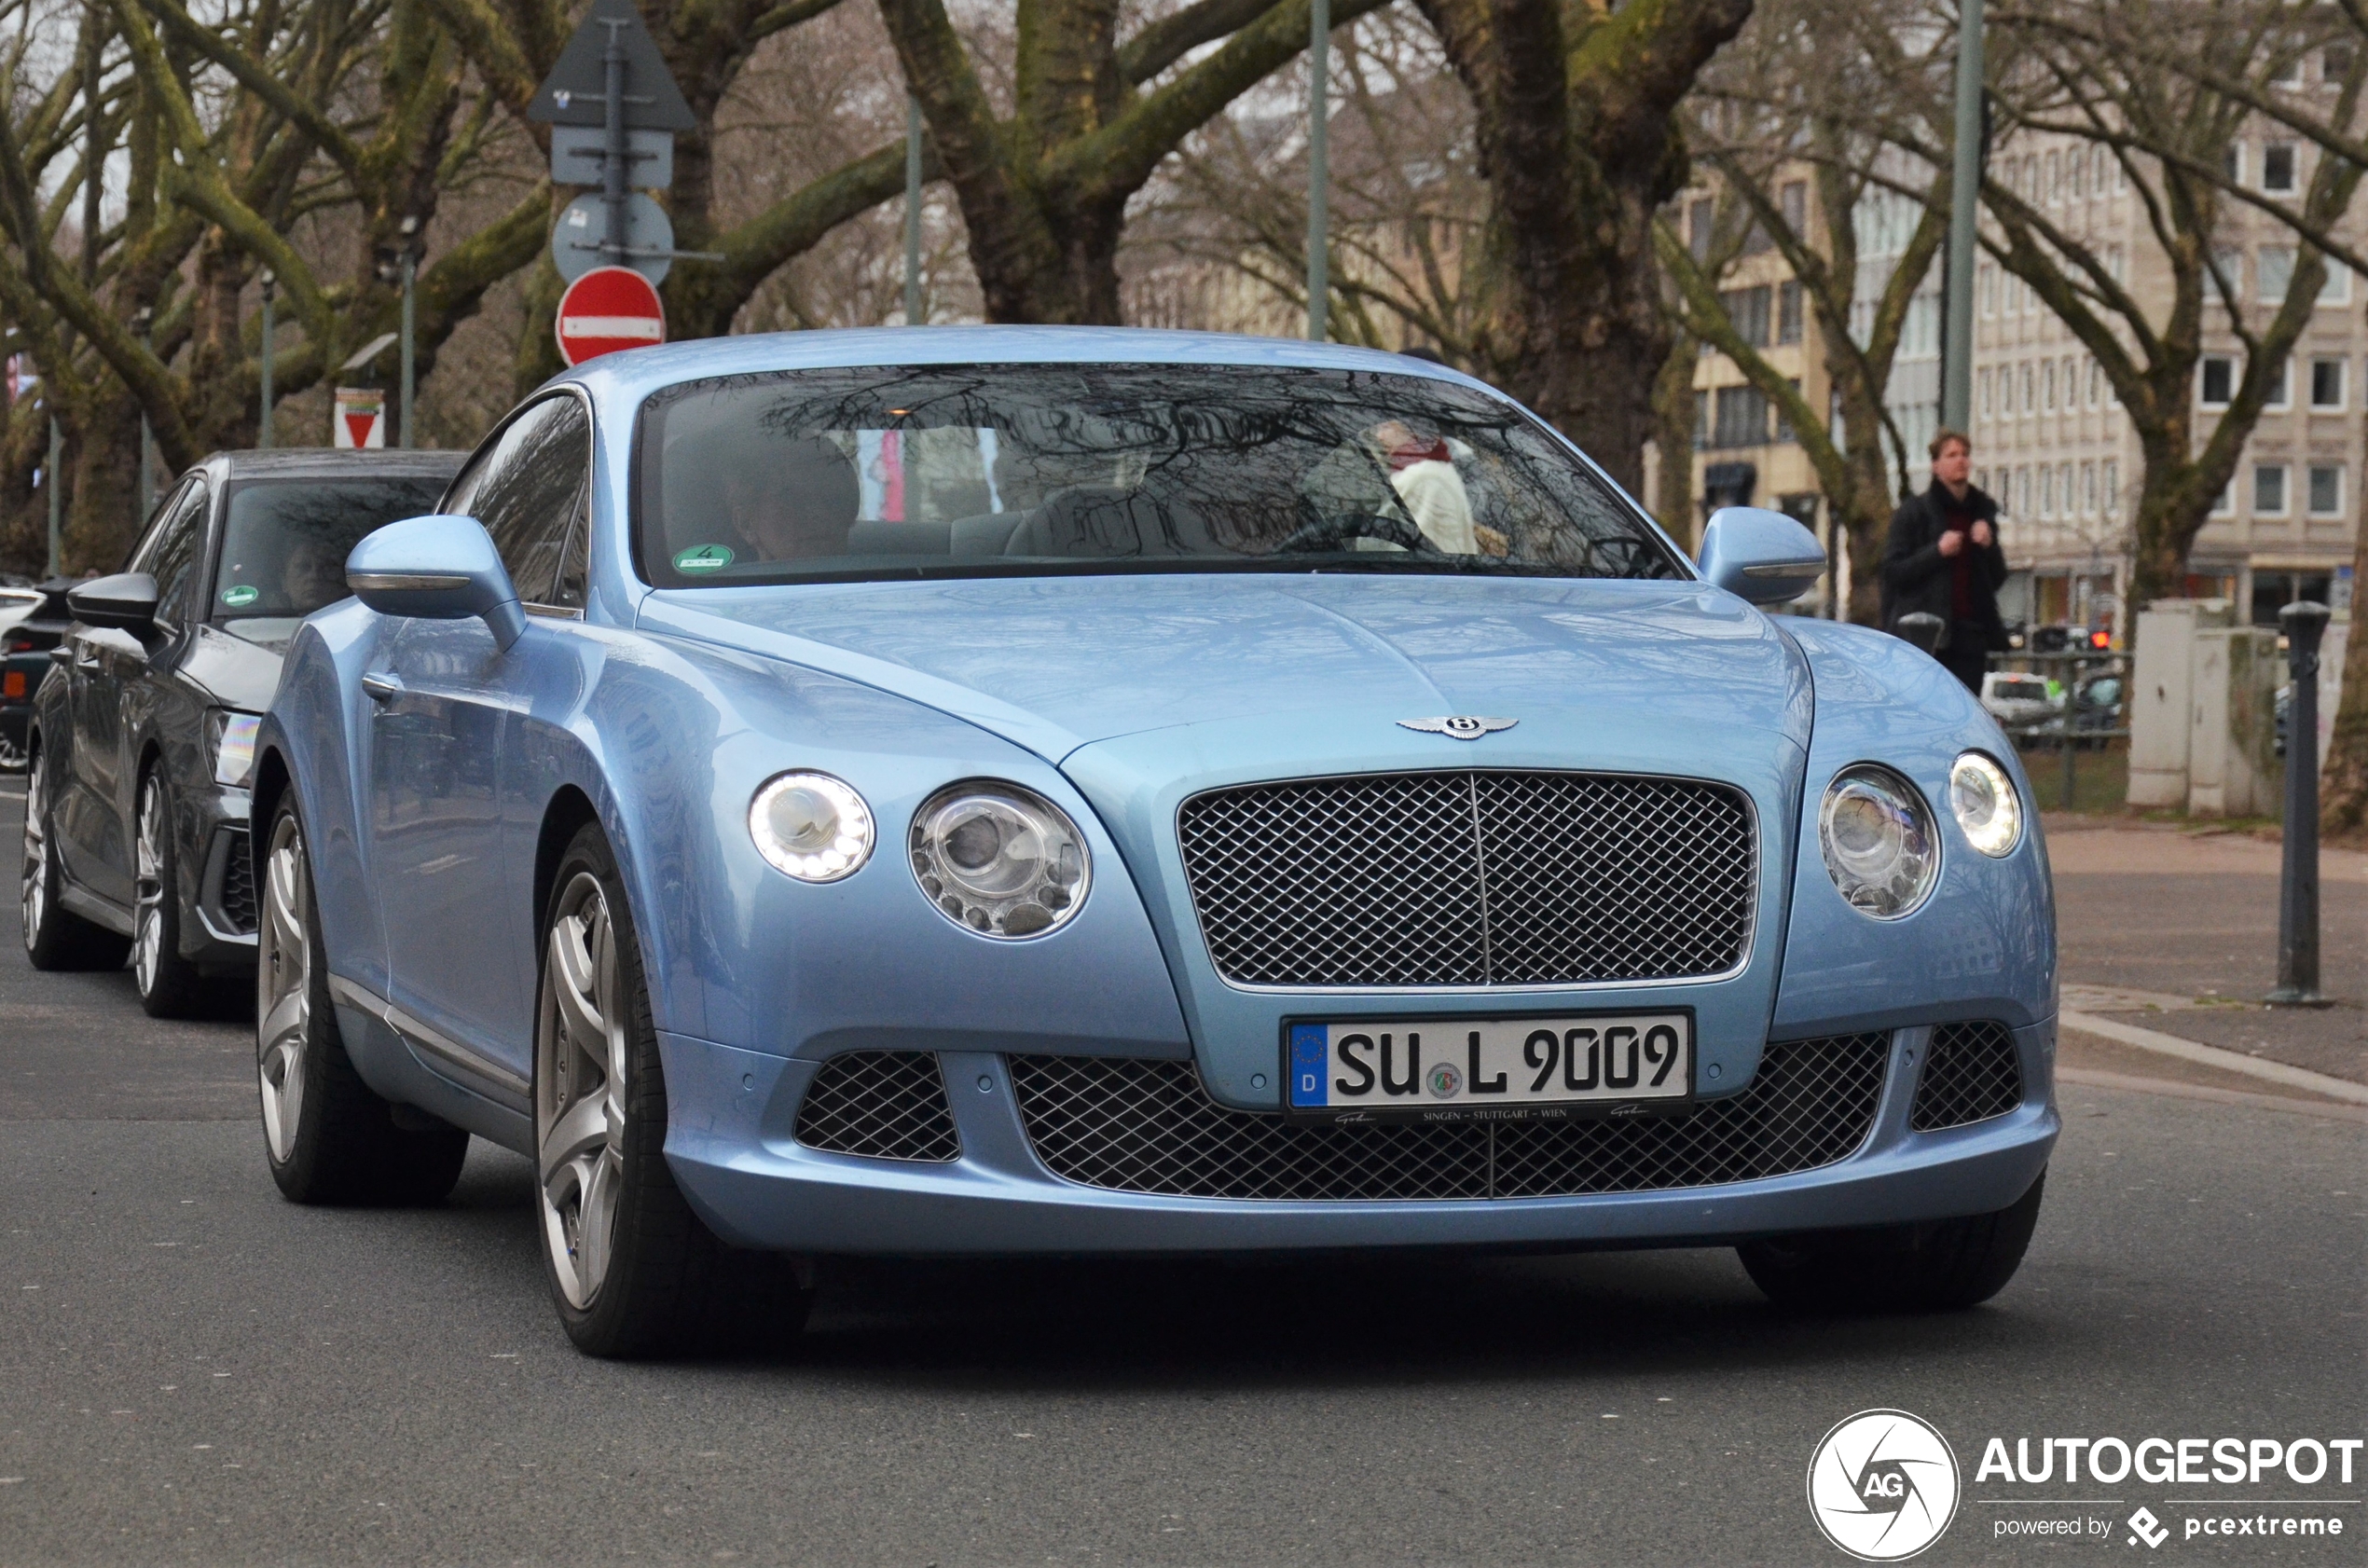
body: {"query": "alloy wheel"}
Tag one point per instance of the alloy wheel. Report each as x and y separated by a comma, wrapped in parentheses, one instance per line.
(283, 983)
(36, 856)
(581, 1049)
(147, 887)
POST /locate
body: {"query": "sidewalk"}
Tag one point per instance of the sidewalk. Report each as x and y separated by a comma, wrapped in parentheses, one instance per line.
(2174, 932)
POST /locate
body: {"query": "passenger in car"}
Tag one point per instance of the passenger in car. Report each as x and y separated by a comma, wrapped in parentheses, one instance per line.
(791, 499)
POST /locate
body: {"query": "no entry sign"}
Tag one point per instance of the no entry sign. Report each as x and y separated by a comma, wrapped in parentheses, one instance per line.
(608, 309)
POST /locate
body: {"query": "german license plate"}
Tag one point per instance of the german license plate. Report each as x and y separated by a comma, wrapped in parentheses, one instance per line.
(1462, 1069)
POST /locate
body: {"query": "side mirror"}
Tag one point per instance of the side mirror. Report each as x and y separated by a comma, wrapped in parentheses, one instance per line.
(1921, 627)
(1761, 555)
(436, 568)
(126, 602)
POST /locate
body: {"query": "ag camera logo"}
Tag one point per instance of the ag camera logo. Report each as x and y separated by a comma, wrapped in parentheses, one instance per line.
(1883, 1485)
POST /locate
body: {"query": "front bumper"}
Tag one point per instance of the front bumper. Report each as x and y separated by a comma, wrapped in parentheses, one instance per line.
(732, 1150)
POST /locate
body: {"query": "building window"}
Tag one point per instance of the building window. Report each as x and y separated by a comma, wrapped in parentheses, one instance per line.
(2269, 490)
(2336, 290)
(2096, 383)
(2055, 191)
(1701, 218)
(2047, 386)
(1748, 309)
(1791, 199)
(2089, 489)
(2047, 492)
(1788, 312)
(2327, 385)
(2282, 387)
(2023, 492)
(2224, 504)
(2277, 273)
(2231, 163)
(1701, 420)
(1986, 408)
(2289, 74)
(2326, 490)
(1741, 417)
(2228, 268)
(2277, 167)
(2077, 166)
(2031, 388)
(2117, 259)
(2218, 380)
(1986, 284)
(2113, 487)
(1784, 420)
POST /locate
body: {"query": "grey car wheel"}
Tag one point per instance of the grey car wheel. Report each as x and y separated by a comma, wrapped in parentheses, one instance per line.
(580, 1106)
(169, 986)
(55, 938)
(327, 1137)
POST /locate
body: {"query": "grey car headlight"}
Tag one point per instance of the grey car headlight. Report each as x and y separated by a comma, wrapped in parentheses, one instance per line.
(1986, 805)
(811, 826)
(1876, 835)
(234, 747)
(998, 860)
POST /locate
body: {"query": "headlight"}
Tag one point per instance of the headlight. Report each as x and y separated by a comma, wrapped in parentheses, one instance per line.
(1876, 834)
(1002, 860)
(1986, 805)
(234, 747)
(810, 825)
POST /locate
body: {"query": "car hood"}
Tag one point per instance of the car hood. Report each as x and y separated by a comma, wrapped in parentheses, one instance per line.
(1058, 664)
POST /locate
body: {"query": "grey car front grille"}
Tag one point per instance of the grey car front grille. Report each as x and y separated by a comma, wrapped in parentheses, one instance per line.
(883, 1105)
(1147, 1126)
(1972, 1073)
(1471, 878)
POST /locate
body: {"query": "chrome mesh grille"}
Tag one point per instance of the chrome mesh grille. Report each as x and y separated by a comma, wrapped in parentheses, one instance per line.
(1972, 1072)
(1471, 878)
(1136, 1126)
(883, 1105)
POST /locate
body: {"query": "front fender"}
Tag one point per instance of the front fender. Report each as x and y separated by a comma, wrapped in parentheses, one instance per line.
(1984, 945)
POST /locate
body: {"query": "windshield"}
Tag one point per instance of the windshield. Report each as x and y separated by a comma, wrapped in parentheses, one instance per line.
(1035, 469)
(284, 544)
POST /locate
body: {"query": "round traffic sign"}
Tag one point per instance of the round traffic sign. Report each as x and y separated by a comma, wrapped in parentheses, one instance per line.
(575, 240)
(608, 309)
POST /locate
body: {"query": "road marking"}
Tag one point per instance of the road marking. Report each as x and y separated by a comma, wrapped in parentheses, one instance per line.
(2089, 1078)
(2212, 1057)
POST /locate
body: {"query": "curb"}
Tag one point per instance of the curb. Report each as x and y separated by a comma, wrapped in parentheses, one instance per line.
(2213, 1056)
(2084, 1077)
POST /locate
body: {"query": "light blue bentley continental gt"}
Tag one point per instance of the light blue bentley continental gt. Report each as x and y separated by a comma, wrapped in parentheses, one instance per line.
(1042, 791)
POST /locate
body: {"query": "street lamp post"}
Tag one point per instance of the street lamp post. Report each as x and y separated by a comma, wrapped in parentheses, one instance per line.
(263, 425)
(410, 262)
(1964, 213)
(912, 211)
(144, 321)
(2305, 624)
(57, 514)
(1319, 179)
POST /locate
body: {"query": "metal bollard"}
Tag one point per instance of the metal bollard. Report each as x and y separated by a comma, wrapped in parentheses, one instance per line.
(2303, 623)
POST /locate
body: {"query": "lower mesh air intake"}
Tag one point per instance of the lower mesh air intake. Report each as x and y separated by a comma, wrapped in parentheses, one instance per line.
(883, 1105)
(1972, 1072)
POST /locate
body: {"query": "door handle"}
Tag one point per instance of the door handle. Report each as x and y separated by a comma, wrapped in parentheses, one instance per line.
(383, 688)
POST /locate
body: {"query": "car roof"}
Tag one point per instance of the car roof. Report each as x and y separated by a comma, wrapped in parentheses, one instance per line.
(631, 377)
(330, 462)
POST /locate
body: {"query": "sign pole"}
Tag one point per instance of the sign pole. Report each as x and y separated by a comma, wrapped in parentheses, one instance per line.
(1319, 179)
(1964, 212)
(409, 366)
(612, 124)
(144, 320)
(912, 211)
(2304, 622)
(57, 517)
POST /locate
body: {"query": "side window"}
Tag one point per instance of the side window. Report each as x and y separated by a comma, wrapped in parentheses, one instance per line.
(172, 548)
(529, 492)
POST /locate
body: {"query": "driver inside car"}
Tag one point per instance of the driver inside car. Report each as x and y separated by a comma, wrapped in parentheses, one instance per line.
(1390, 471)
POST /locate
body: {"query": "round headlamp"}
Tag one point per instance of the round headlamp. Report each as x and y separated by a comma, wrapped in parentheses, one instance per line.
(998, 860)
(811, 826)
(1877, 839)
(1986, 805)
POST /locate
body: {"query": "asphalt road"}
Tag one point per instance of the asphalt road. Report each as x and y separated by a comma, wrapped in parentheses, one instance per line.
(193, 1370)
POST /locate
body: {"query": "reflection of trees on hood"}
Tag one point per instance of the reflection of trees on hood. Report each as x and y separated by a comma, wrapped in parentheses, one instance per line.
(1232, 454)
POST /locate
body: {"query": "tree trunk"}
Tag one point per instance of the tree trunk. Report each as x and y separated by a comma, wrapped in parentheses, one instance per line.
(2343, 801)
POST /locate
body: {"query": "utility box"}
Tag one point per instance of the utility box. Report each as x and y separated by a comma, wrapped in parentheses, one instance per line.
(2232, 743)
(2161, 699)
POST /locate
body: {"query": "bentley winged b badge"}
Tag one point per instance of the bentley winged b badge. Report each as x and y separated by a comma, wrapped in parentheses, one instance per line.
(1462, 726)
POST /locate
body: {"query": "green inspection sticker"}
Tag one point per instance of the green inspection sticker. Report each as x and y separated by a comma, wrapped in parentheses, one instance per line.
(238, 595)
(703, 558)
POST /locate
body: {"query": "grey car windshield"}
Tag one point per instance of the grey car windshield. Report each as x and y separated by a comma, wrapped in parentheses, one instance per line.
(1038, 469)
(284, 544)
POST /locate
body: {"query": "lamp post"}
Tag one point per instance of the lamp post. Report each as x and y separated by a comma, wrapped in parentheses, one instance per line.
(263, 425)
(912, 211)
(1319, 179)
(410, 265)
(1964, 213)
(144, 321)
(49, 477)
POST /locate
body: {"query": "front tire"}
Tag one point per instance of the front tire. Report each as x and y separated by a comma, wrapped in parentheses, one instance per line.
(327, 1137)
(56, 938)
(169, 986)
(1937, 1266)
(631, 1268)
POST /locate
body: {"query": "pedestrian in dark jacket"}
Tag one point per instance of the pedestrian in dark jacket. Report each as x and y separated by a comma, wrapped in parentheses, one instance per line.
(1944, 559)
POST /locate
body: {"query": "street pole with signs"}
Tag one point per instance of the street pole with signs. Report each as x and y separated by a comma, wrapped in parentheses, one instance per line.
(144, 321)
(1964, 213)
(410, 265)
(57, 511)
(1319, 180)
(263, 425)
